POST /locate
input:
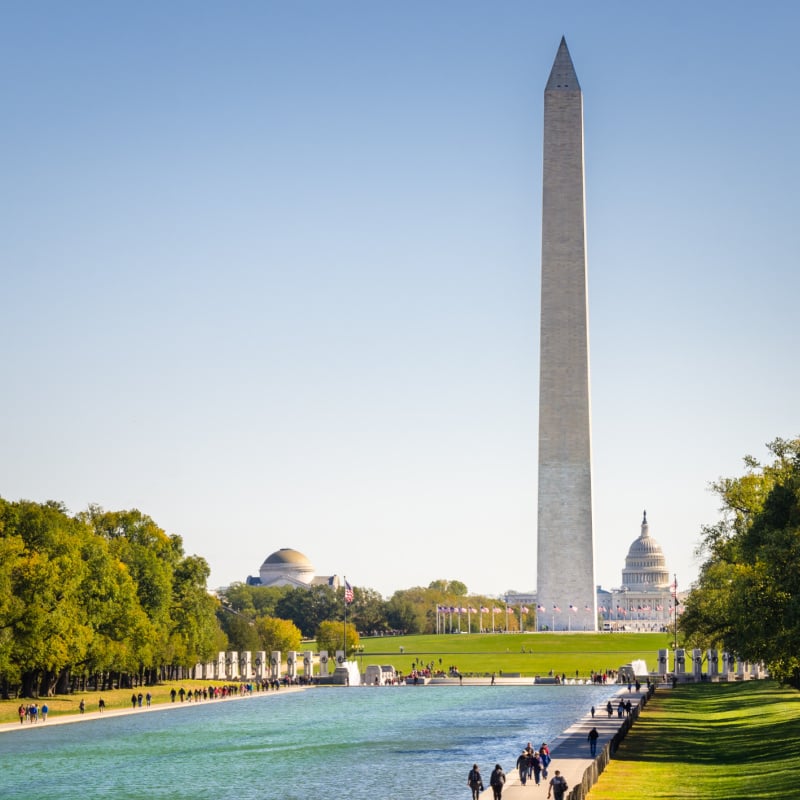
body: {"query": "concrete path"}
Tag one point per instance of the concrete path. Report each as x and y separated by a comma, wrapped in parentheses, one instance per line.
(569, 752)
(66, 719)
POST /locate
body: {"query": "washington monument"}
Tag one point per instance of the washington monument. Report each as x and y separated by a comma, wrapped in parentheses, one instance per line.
(566, 592)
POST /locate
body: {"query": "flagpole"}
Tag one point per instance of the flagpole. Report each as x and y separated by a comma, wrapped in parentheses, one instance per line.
(345, 618)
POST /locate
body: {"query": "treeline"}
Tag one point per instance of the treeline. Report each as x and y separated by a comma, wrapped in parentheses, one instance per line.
(105, 597)
(407, 611)
(747, 598)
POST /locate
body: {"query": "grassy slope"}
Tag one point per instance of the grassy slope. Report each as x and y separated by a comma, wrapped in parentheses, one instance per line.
(736, 741)
(486, 653)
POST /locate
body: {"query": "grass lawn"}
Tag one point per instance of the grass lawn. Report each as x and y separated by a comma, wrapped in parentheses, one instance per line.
(528, 654)
(736, 741)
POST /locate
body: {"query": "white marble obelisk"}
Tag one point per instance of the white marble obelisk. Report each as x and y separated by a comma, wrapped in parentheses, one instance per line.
(566, 583)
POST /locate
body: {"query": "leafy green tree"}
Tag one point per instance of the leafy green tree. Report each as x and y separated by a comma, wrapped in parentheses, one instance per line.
(331, 637)
(240, 630)
(193, 615)
(747, 598)
(307, 608)
(367, 611)
(277, 634)
(50, 632)
(403, 614)
(255, 601)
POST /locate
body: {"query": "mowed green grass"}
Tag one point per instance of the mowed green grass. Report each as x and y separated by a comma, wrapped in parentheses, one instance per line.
(529, 654)
(731, 741)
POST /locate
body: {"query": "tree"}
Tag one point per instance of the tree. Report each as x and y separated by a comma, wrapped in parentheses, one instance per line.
(747, 599)
(403, 614)
(307, 608)
(331, 637)
(277, 634)
(367, 611)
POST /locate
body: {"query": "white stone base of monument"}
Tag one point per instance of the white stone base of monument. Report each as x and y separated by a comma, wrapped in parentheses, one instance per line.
(275, 665)
(261, 665)
(680, 661)
(663, 662)
(232, 665)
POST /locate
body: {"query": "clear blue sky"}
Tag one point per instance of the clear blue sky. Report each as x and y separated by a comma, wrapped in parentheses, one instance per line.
(270, 271)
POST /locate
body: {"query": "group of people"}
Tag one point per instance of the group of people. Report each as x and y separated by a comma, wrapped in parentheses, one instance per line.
(32, 713)
(531, 764)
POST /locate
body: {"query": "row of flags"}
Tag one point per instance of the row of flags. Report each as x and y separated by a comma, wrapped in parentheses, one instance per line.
(483, 610)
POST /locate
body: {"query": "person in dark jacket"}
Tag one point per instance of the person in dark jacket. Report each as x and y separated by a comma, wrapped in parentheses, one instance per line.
(475, 781)
(496, 781)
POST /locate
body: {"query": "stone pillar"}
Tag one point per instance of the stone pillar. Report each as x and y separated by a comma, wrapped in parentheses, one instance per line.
(680, 661)
(697, 664)
(713, 663)
(232, 665)
(663, 662)
(308, 664)
(727, 663)
(275, 665)
(261, 665)
(291, 664)
(323, 663)
(340, 659)
(246, 665)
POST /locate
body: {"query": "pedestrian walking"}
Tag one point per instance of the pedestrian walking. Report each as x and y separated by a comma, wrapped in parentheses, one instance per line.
(522, 767)
(544, 757)
(475, 781)
(496, 781)
(558, 786)
(593, 737)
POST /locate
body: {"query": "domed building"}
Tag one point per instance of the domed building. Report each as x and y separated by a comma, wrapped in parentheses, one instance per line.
(644, 600)
(645, 566)
(288, 567)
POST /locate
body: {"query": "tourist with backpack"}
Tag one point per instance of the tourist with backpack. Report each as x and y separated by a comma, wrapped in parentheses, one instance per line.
(558, 786)
(496, 781)
(475, 781)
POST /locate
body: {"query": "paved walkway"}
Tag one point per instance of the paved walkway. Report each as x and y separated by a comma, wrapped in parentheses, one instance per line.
(569, 752)
(65, 719)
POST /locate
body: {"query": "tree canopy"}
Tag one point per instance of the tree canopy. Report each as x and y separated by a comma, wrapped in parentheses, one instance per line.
(747, 598)
(95, 594)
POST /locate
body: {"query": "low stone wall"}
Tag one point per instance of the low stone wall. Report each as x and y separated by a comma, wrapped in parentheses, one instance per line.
(592, 773)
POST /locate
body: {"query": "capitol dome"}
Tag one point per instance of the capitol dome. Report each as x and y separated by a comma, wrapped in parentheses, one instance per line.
(645, 565)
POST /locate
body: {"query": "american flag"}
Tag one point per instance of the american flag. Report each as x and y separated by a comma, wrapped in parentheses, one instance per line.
(473, 610)
(541, 609)
(484, 610)
(348, 592)
(557, 609)
(572, 607)
(587, 609)
(524, 609)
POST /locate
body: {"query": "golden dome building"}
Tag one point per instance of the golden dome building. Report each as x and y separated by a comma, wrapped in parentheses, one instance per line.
(288, 567)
